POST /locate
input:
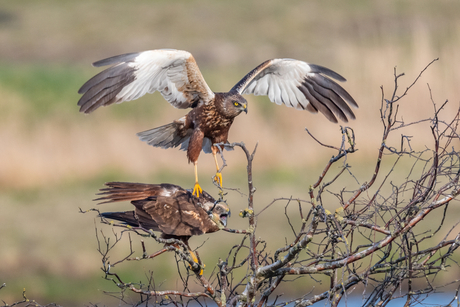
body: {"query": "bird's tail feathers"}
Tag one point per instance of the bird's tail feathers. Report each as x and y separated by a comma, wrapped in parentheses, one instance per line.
(135, 219)
(170, 135)
(127, 217)
(173, 135)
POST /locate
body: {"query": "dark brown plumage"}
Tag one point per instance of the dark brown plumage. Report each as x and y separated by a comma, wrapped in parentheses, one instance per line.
(175, 74)
(165, 208)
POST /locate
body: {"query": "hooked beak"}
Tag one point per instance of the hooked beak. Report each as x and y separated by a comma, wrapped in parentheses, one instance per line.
(245, 108)
(224, 216)
(223, 219)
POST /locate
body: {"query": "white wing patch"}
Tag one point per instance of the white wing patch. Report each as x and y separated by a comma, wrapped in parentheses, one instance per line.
(174, 73)
(168, 192)
(158, 70)
(299, 85)
(280, 82)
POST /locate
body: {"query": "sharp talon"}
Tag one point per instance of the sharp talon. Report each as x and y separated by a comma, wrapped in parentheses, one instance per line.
(197, 190)
(218, 178)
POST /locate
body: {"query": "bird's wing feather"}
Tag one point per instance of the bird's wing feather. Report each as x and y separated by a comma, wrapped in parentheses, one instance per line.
(161, 207)
(127, 191)
(174, 73)
(178, 215)
(299, 85)
(135, 219)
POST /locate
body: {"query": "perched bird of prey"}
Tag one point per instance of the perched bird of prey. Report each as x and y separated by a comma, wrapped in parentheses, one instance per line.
(175, 74)
(166, 208)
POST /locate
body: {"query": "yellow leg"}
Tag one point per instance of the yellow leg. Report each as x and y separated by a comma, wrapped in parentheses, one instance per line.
(197, 189)
(218, 176)
(195, 258)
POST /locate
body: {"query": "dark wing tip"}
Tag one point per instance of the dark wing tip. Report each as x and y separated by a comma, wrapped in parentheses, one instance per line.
(336, 93)
(326, 71)
(82, 89)
(126, 217)
(334, 120)
(103, 88)
(126, 57)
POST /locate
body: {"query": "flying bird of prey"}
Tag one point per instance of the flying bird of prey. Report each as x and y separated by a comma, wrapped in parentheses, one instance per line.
(175, 74)
(166, 208)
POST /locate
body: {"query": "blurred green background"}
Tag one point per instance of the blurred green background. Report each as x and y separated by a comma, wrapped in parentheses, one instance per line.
(54, 159)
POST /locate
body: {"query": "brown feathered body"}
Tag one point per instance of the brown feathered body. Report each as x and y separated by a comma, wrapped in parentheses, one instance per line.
(205, 125)
(165, 208)
(212, 121)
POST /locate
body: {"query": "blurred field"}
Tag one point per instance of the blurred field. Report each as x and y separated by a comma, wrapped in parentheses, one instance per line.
(53, 159)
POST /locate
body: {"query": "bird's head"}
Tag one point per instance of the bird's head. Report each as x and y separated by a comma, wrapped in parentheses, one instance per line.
(234, 104)
(218, 212)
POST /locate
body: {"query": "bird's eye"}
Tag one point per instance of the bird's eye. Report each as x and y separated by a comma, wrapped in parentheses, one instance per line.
(236, 103)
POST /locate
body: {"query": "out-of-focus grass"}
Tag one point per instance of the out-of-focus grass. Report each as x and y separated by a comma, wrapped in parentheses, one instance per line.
(53, 159)
(47, 90)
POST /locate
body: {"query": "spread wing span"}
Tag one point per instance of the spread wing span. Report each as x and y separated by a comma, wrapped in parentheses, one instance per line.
(299, 85)
(174, 73)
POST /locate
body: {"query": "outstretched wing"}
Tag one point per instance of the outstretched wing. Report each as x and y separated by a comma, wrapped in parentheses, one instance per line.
(299, 85)
(174, 73)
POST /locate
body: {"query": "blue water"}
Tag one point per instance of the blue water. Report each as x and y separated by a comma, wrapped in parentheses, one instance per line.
(435, 299)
